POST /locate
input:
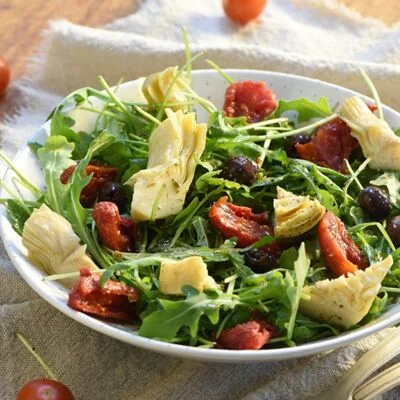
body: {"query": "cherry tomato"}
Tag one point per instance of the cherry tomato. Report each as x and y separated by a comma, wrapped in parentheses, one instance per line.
(4, 75)
(243, 11)
(340, 254)
(44, 389)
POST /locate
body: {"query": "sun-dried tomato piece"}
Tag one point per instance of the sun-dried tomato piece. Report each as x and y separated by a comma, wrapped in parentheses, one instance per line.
(115, 232)
(330, 146)
(339, 252)
(372, 107)
(102, 174)
(252, 100)
(115, 300)
(251, 335)
(240, 222)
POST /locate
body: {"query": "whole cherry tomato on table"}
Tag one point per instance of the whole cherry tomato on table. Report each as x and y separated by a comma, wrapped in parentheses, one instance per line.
(243, 11)
(44, 389)
(4, 75)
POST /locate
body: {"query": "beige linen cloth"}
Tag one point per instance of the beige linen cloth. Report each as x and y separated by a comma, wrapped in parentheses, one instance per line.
(321, 39)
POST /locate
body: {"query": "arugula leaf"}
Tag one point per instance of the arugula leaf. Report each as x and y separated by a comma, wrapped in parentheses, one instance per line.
(307, 330)
(64, 199)
(304, 108)
(166, 323)
(328, 201)
(82, 146)
(18, 213)
(301, 266)
(55, 158)
(135, 165)
(72, 209)
(61, 123)
(35, 146)
(264, 287)
(288, 258)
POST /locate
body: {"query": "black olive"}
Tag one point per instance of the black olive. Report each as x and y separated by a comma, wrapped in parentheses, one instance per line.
(260, 261)
(240, 169)
(291, 141)
(375, 202)
(393, 229)
(114, 192)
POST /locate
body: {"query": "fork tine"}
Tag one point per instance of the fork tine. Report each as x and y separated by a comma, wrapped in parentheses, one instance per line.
(372, 360)
(381, 383)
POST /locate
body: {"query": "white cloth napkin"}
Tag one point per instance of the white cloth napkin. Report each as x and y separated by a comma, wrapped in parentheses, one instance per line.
(316, 38)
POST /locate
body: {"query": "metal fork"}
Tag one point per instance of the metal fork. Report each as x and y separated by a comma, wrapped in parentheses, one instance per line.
(349, 388)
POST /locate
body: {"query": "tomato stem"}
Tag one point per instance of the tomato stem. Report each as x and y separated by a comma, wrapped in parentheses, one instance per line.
(38, 358)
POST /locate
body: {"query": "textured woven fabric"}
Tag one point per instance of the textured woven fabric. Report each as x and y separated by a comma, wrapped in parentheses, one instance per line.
(315, 38)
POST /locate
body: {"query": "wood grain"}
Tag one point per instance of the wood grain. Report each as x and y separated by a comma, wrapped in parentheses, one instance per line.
(387, 11)
(22, 21)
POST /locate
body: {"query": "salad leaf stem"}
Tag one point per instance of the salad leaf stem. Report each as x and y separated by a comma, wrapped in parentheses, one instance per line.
(56, 277)
(301, 267)
(157, 202)
(361, 227)
(188, 56)
(15, 196)
(112, 94)
(147, 115)
(261, 124)
(374, 92)
(185, 223)
(228, 79)
(354, 177)
(24, 180)
(173, 81)
(390, 289)
(298, 130)
(103, 112)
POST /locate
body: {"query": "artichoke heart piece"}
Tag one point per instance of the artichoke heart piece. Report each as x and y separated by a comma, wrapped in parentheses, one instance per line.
(295, 215)
(174, 146)
(158, 85)
(53, 245)
(345, 301)
(378, 141)
(189, 271)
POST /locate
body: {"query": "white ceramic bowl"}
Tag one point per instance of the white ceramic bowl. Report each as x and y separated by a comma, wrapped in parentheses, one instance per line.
(209, 84)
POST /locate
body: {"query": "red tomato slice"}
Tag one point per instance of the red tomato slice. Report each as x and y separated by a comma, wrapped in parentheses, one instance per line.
(340, 254)
(44, 389)
(240, 222)
(330, 146)
(249, 99)
(251, 335)
(101, 175)
(114, 301)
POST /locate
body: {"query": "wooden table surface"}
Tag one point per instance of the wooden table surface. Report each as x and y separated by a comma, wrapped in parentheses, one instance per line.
(22, 20)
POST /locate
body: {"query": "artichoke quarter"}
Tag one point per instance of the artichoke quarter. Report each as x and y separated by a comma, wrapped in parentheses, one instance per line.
(160, 85)
(53, 245)
(295, 215)
(378, 141)
(345, 301)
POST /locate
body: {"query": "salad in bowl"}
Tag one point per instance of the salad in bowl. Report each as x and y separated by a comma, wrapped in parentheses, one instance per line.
(253, 224)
